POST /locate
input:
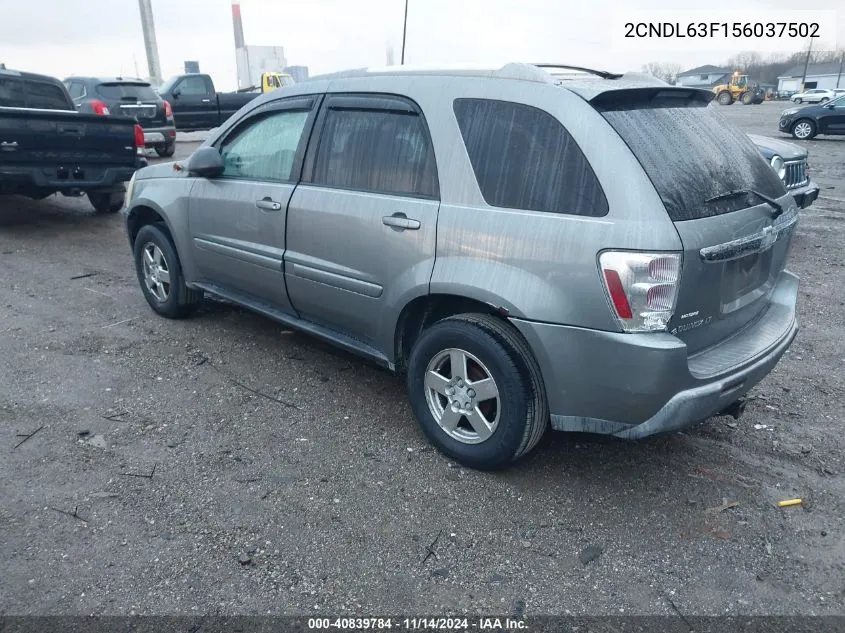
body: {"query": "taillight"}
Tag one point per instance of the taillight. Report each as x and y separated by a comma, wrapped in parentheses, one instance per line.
(642, 288)
(168, 110)
(139, 137)
(100, 108)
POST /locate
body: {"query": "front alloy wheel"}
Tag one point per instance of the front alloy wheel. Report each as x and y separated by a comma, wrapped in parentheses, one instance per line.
(803, 130)
(156, 272)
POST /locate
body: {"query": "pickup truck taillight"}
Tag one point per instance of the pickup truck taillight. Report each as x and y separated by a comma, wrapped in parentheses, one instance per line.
(139, 138)
(100, 108)
(642, 288)
(168, 110)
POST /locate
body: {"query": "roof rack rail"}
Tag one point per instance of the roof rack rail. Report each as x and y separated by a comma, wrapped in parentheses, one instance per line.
(600, 73)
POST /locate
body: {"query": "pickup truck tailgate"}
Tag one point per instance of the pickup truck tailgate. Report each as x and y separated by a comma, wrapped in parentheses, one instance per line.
(64, 148)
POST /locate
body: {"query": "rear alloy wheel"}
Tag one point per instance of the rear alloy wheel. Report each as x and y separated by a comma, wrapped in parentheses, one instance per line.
(160, 274)
(167, 151)
(824, 100)
(804, 130)
(476, 391)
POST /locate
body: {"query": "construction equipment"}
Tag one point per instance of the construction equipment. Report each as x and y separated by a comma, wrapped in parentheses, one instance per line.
(270, 81)
(739, 89)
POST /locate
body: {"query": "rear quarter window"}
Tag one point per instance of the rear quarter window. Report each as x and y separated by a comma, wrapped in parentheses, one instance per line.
(523, 158)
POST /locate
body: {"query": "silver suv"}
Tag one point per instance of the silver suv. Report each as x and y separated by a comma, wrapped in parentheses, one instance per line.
(594, 252)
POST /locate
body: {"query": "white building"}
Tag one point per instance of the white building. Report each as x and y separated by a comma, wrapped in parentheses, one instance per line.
(704, 77)
(830, 75)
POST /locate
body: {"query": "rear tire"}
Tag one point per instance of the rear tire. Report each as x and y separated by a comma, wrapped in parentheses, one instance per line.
(106, 201)
(824, 100)
(160, 274)
(167, 151)
(513, 420)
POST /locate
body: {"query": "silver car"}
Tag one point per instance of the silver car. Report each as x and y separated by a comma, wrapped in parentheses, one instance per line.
(593, 252)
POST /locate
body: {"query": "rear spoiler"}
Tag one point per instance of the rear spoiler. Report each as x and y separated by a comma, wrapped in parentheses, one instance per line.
(651, 97)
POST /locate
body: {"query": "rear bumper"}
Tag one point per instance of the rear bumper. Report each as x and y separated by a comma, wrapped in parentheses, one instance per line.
(635, 385)
(23, 179)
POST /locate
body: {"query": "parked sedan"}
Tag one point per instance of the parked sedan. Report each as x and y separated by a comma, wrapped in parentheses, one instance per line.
(790, 164)
(805, 123)
(128, 97)
(816, 95)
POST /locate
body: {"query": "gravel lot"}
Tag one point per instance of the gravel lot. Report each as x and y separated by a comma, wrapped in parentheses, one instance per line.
(157, 484)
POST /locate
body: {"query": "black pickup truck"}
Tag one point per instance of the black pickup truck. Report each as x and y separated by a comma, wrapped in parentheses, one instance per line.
(47, 147)
(197, 105)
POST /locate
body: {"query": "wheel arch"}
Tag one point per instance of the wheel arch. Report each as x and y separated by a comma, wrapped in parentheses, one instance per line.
(424, 310)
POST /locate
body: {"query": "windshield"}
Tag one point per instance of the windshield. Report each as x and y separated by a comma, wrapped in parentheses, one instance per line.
(692, 154)
(128, 92)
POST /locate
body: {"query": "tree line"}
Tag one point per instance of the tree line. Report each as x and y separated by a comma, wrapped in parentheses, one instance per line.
(762, 69)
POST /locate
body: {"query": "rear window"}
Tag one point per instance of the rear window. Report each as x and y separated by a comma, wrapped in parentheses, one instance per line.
(523, 158)
(692, 153)
(127, 92)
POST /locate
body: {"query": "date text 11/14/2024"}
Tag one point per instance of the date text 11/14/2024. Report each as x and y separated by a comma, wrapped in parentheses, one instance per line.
(417, 624)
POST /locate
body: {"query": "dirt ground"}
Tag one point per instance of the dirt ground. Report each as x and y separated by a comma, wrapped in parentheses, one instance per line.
(222, 464)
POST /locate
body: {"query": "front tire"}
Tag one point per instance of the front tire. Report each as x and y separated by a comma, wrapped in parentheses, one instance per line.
(725, 98)
(824, 100)
(476, 391)
(160, 274)
(747, 98)
(803, 130)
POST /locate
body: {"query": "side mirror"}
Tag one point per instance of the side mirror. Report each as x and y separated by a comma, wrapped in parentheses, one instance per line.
(206, 162)
(176, 92)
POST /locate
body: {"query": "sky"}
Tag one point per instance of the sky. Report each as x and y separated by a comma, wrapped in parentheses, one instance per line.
(103, 37)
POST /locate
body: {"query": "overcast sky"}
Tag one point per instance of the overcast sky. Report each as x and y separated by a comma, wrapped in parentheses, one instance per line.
(103, 37)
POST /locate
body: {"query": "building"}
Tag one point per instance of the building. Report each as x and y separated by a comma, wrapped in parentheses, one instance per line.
(299, 73)
(254, 60)
(704, 77)
(829, 75)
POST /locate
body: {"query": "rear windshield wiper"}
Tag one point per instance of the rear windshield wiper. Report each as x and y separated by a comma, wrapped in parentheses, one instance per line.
(744, 192)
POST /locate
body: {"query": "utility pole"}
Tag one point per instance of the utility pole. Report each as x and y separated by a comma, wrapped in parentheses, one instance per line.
(148, 26)
(839, 76)
(404, 31)
(806, 64)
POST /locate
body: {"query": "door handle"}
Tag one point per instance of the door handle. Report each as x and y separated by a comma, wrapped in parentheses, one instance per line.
(206, 100)
(268, 205)
(9, 146)
(401, 222)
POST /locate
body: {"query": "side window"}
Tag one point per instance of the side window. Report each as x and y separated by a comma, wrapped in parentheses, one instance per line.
(264, 147)
(75, 88)
(11, 93)
(193, 86)
(46, 96)
(376, 150)
(523, 158)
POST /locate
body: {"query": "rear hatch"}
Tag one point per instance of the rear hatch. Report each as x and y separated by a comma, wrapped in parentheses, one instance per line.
(134, 99)
(735, 244)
